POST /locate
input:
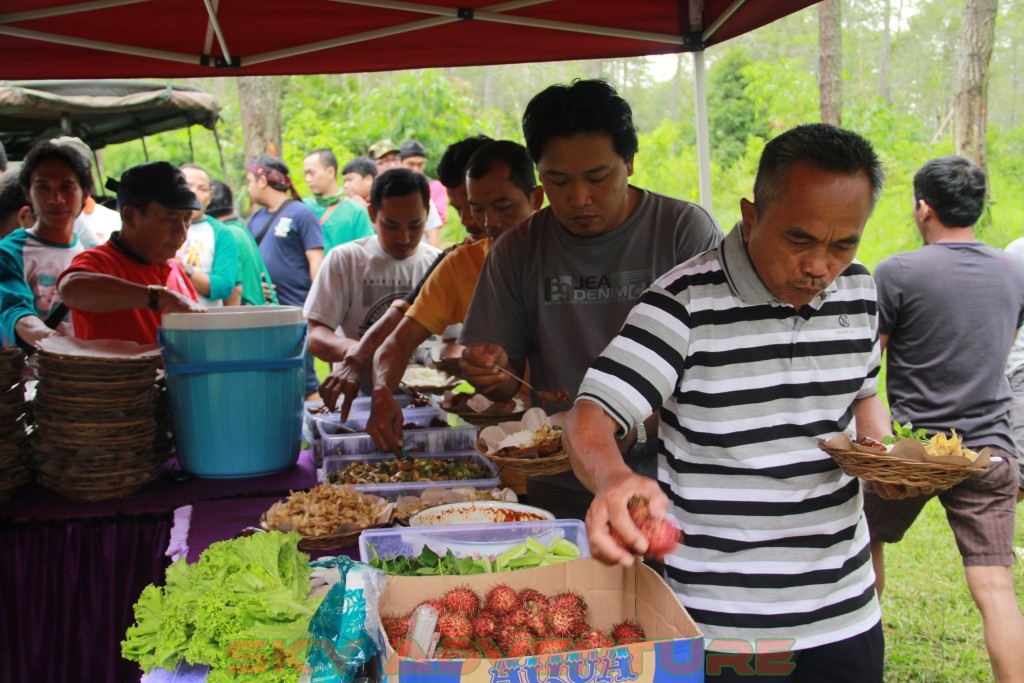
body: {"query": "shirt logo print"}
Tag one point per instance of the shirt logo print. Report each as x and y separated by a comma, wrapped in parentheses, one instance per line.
(844, 320)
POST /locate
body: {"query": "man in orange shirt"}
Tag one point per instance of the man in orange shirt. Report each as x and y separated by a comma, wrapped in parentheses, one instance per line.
(502, 192)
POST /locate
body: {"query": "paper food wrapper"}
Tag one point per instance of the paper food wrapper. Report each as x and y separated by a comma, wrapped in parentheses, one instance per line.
(97, 348)
(906, 449)
(533, 420)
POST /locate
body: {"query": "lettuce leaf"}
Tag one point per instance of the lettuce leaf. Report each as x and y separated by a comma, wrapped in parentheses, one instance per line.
(241, 608)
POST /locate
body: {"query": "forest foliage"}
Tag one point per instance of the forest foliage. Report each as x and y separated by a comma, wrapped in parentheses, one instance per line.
(758, 86)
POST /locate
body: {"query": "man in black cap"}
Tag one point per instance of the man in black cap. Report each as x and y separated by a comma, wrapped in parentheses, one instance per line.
(413, 156)
(119, 289)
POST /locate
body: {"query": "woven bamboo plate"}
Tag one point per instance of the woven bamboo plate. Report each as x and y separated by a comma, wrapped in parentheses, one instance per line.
(530, 464)
(887, 468)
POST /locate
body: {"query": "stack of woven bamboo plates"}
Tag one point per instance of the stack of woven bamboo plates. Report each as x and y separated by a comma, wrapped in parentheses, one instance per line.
(15, 463)
(96, 425)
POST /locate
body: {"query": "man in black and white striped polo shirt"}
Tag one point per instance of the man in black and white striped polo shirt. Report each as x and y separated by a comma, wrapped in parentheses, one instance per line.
(751, 351)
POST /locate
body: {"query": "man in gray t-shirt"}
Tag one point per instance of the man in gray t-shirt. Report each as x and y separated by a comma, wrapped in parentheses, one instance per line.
(947, 314)
(557, 288)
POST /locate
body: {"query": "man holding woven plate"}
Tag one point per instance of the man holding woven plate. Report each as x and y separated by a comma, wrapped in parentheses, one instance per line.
(947, 314)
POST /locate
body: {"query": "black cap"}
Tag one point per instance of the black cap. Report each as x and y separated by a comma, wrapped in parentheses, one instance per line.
(154, 181)
(412, 148)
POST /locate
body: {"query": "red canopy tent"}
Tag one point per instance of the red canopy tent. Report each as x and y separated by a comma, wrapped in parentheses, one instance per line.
(174, 39)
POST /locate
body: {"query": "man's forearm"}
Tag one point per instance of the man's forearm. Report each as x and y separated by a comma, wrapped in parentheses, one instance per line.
(201, 281)
(363, 351)
(589, 438)
(327, 345)
(99, 293)
(872, 418)
(392, 358)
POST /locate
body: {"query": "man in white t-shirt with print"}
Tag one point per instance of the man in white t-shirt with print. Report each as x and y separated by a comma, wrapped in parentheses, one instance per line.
(360, 279)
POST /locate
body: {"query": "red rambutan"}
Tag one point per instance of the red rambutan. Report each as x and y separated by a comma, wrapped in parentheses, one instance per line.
(628, 631)
(455, 630)
(462, 600)
(502, 599)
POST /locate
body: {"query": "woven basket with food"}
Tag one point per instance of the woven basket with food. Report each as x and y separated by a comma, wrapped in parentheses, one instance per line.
(909, 458)
(532, 445)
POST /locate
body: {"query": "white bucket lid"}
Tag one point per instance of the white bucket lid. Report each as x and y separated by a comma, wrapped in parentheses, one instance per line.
(233, 318)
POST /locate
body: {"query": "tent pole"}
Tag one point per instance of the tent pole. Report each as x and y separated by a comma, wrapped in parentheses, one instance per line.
(703, 142)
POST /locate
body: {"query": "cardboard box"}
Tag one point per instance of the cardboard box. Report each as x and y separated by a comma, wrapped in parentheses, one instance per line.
(612, 594)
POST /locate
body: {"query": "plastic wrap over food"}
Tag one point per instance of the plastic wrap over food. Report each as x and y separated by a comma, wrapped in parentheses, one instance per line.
(345, 631)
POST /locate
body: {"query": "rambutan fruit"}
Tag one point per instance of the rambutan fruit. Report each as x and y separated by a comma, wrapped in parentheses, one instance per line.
(502, 599)
(533, 600)
(455, 630)
(462, 600)
(517, 642)
(592, 638)
(627, 632)
(565, 621)
(538, 623)
(485, 626)
(568, 600)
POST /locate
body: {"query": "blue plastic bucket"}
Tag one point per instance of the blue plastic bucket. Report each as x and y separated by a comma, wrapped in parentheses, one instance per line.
(236, 384)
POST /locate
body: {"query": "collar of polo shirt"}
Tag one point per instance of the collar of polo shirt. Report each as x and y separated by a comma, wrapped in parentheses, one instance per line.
(743, 278)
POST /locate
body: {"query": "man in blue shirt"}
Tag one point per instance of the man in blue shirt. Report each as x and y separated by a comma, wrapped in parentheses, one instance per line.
(289, 235)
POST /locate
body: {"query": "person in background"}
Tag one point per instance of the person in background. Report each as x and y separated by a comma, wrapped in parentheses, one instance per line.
(358, 176)
(346, 378)
(56, 180)
(209, 254)
(384, 153)
(252, 272)
(342, 220)
(502, 192)
(95, 223)
(289, 236)
(568, 276)
(120, 289)
(15, 209)
(3, 159)
(360, 279)
(752, 351)
(947, 316)
(413, 155)
(1015, 375)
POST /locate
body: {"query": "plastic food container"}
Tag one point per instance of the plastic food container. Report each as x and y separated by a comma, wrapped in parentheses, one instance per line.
(469, 539)
(479, 512)
(413, 488)
(436, 440)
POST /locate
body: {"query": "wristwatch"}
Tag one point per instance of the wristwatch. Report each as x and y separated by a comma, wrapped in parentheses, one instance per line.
(154, 297)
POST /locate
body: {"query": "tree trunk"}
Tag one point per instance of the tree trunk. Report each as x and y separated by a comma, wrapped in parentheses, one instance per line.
(260, 100)
(883, 65)
(830, 61)
(970, 99)
(489, 77)
(677, 89)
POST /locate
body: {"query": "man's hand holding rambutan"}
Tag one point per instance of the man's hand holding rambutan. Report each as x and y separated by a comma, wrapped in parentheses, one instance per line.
(662, 536)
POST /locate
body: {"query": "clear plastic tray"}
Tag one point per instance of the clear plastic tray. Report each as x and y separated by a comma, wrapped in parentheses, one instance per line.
(469, 539)
(357, 420)
(440, 440)
(407, 488)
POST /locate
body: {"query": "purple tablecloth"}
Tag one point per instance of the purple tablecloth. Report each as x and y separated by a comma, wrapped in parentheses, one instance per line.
(71, 572)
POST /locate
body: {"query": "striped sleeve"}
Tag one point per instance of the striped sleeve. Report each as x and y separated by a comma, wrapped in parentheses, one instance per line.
(641, 367)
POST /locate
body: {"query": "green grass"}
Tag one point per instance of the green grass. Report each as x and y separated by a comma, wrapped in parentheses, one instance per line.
(933, 630)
